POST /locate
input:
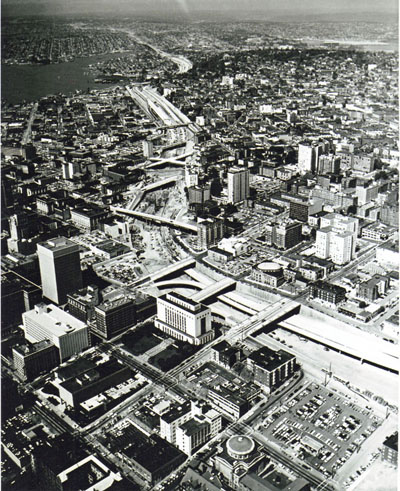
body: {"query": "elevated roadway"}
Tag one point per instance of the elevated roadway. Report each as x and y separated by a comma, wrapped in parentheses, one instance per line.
(172, 269)
(160, 220)
(176, 160)
(178, 284)
(355, 343)
(273, 313)
(140, 192)
(213, 289)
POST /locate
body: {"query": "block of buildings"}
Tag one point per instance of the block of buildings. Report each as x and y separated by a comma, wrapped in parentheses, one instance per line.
(184, 319)
(67, 333)
(91, 382)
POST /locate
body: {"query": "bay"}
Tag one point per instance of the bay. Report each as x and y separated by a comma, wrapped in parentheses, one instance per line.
(31, 82)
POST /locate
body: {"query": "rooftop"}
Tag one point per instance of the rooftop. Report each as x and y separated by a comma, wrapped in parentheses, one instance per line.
(54, 319)
(269, 359)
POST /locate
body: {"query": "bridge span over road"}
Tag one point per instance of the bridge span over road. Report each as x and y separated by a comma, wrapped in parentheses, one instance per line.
(159, 220)
(349, 341)
(275, 312)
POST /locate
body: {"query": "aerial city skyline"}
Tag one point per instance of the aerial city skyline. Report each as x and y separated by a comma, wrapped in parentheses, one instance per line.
(199, 245)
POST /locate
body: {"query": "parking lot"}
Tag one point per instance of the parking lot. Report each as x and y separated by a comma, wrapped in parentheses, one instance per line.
(321, 428)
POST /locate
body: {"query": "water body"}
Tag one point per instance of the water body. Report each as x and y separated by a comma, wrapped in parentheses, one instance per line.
(31, 82)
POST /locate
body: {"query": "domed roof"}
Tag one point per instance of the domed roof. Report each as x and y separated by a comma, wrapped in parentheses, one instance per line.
(269, 266)
(240, 445)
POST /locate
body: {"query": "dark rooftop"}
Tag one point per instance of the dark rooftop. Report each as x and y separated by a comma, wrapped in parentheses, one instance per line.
(269, 359)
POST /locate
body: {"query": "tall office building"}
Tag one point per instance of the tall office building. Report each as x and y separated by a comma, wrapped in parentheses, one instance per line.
(68, 334)
(309, 156)
(60, 268)
(328, 164)
(209, 232)
(336, 238)
(184, 319)
(115, 316)
(238, 184)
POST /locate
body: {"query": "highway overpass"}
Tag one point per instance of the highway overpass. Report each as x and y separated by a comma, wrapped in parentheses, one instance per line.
(172, 269)
(214, 289)
(159, 220)
(352, 342)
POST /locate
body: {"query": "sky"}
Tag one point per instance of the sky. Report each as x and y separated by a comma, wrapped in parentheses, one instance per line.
(272, 9)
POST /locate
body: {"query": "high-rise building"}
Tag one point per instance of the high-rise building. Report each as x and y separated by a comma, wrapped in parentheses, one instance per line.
(336, 239)
(68, 334)
(148, 148)
(308, 156)
(60, 268)
(209, 232)
(238, 184)
(184, 319)
(286, 234)
(199, 194)
(30, 360)
(328, 164)
(23, 226)
(113, 317)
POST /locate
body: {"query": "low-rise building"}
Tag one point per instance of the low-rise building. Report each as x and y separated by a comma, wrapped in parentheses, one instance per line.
(268, 273)
(390, 449)
(93, 381)
(219, 255)
(81, 303)
(152, 457)
(226, 355)
(331, 294)
(88, 217)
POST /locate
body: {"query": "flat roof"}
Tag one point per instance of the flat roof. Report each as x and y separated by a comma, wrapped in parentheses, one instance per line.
(176, 412)
(269, 359)
(58, 244)
(54, 319)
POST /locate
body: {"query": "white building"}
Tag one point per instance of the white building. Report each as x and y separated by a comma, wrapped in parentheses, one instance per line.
(191, 177)
(190, 425)
(337, 237)
(184, 319)
(60, 268)
(234, 245)
(67, 333)
(238, 184)
(308, 157)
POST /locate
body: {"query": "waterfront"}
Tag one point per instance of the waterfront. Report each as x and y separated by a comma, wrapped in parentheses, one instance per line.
(31, 82)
